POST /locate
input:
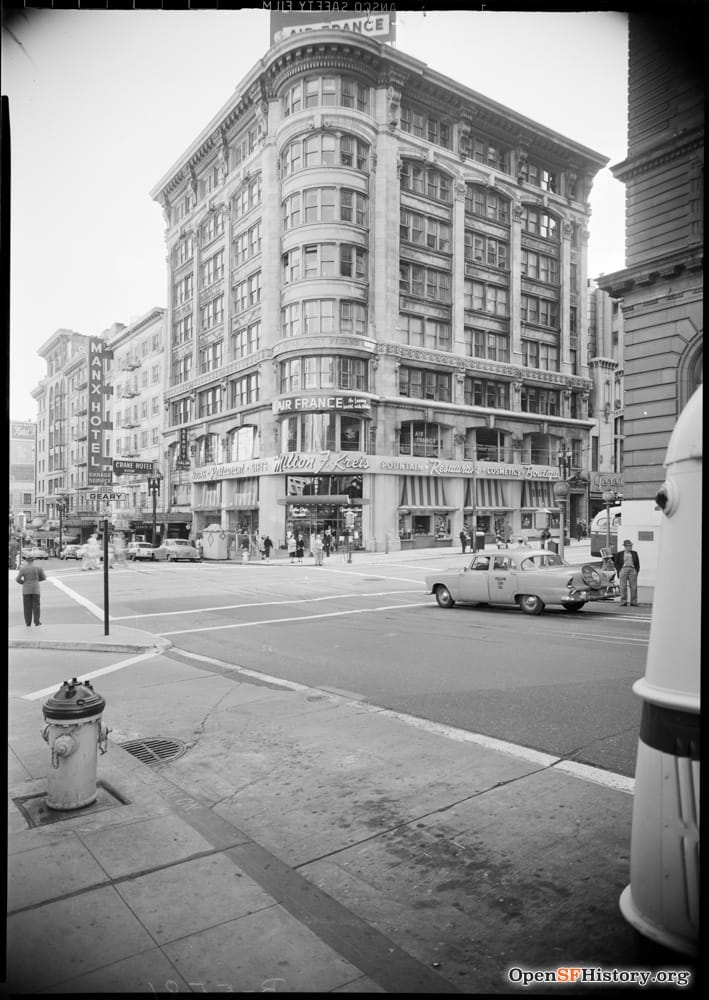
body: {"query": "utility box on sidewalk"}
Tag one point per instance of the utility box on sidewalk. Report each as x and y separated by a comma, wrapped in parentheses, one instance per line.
(215, 542)
(75, 733)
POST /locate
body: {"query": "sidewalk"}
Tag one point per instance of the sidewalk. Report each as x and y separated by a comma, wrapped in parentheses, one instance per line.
(303, 841)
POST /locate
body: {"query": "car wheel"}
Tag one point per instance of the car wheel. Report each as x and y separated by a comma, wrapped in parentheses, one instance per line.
(531, 604)
(590, 575)
(573, 606)
(443, 596)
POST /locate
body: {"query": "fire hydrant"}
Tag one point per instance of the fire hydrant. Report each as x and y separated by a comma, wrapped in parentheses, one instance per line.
(75, 733)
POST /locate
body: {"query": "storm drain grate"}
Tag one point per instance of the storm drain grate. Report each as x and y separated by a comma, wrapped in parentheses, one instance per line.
(155, 750)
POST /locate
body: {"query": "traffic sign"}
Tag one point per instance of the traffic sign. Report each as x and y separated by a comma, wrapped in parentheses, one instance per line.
(121, 465)
(106, 497)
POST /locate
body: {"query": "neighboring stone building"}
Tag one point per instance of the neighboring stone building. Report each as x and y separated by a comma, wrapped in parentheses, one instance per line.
(60, 442)
(378, 311)
(605, 365)
(22, 467)
(661, 288)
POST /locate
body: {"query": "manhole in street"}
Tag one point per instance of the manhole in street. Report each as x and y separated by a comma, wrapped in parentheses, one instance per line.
(155, 749)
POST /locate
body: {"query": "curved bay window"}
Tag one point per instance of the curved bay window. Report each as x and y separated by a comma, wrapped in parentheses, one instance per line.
(326, 92)
(327, 431)
(324, 372)
(242, 443)
(324, 149)
(425, 440)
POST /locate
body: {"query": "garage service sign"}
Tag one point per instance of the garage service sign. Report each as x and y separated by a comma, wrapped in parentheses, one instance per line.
(374, 20)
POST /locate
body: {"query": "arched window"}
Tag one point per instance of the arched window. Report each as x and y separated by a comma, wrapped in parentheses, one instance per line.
(208, 449)
(242, 443)
(423, 439)
(690, 371)
(486, 203)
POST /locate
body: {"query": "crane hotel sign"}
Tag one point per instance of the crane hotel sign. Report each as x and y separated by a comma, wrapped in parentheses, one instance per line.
(357, 462)
(374, 20)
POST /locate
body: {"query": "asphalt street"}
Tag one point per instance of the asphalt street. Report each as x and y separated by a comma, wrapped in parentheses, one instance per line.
(554, 683)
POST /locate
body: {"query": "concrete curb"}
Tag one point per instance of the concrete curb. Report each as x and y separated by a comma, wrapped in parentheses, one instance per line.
(160, 645)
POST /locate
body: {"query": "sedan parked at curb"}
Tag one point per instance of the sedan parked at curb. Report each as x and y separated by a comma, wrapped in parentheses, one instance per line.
(36, 551)
(140, 550)
(176, 549)
(70, 552)
(529, 579)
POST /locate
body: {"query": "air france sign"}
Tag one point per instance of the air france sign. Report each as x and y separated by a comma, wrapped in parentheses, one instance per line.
(372, 20)
(304, 404)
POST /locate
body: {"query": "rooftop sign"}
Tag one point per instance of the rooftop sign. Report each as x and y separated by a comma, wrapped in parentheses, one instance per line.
(373, 20)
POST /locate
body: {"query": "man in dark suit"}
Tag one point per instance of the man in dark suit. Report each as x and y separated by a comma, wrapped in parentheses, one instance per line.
(627, 566)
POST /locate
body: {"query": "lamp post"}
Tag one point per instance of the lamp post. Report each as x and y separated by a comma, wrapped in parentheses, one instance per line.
(609, 497)
(561, 494)
(154, 487)
(61, 510)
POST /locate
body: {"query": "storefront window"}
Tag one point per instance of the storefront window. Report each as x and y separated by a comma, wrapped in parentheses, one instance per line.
(420, 438)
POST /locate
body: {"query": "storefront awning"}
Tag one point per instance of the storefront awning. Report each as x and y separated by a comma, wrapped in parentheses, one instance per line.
(423, 493)
(537, 495)
(490, 494)
(338, 499)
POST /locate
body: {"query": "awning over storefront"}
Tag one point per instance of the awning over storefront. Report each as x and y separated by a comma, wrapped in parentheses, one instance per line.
(246, 496)
(490, 494)
(536, 495)
(423, 493)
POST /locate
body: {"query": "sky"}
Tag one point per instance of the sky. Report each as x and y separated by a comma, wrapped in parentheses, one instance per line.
(102, 103)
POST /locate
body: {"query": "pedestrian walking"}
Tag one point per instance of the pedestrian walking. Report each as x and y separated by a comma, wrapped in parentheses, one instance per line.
(291, 549)
(327, 542)
(464, 540)
(267, 546)
(627, 564)
(30, 576)
(318, 550)
(580, 531)
(544, 536)
(299, 547)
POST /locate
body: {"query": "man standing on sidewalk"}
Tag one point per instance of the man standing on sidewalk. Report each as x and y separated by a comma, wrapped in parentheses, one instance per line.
(627, 565)
(30, 576)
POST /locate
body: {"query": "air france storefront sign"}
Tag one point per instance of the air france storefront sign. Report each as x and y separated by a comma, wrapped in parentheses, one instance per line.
(374, 20)
(305, 404)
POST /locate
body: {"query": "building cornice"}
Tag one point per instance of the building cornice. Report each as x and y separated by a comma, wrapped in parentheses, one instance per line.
(647, 273)
(380, 63)
(671, 148)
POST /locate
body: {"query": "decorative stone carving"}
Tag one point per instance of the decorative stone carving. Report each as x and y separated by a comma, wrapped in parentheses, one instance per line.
(166, 209)
(223, 157)
(522, 154)
(193, 184)
(464, 138)
(261, 120)
(393, 107)
(567, 230)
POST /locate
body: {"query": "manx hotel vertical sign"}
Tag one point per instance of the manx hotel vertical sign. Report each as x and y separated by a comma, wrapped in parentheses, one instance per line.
(99, 464)
(373, 20)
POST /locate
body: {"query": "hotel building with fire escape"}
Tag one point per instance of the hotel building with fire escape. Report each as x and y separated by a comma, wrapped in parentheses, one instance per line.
(377, 305)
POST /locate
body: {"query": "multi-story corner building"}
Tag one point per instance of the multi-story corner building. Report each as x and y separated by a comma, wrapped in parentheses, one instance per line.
(138, 373)
(22, 466)
(62, 401)
(134, 418)
(377, 304)
(605, 366)
(661, 288)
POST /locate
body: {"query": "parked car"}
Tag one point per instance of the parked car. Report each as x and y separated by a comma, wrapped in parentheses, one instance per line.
(530, 579)
(175, 549)
(71, 552)
(140, 550)
(36, 551)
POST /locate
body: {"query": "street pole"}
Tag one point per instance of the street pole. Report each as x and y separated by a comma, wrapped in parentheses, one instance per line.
(105, 575)
(608, 498)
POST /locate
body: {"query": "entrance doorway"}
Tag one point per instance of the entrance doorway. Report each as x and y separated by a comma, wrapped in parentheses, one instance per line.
(314, 519)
